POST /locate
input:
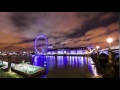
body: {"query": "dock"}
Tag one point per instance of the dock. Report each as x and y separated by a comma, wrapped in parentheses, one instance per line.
(28, 70)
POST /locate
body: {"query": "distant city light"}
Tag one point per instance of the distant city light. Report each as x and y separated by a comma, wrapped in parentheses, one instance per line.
(24, 52)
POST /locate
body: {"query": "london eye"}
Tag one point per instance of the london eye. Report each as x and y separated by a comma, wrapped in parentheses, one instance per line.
(41, 44)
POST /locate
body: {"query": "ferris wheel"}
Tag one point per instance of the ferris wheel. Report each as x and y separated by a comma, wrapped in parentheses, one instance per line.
(41, 44)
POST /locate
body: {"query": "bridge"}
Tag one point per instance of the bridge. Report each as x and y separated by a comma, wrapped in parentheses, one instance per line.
(112, 53)
(114, 49)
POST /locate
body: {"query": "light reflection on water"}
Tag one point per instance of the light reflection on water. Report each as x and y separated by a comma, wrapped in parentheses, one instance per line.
(62, 64)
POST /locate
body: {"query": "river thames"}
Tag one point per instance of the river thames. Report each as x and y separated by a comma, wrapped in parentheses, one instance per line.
(60, 67)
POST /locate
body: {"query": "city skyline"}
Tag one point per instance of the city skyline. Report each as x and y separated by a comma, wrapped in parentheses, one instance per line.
(18, 30)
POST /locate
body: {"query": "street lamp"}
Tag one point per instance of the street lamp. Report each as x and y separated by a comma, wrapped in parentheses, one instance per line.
(109, 41)
(97, 50)
(97, 47)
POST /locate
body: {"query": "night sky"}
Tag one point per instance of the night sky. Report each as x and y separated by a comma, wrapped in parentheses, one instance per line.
(18, 30)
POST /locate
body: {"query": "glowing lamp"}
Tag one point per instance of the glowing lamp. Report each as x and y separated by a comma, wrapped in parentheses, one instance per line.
(109, 40)
(97, 47)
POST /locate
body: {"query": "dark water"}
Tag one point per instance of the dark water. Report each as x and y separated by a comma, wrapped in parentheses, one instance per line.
(66, 66)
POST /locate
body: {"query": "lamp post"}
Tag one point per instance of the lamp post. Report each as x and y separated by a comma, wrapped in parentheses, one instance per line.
(97, 47)
(109, 41)
(9, 63)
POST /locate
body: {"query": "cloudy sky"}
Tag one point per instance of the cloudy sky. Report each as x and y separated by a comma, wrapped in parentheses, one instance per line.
(18, 30)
